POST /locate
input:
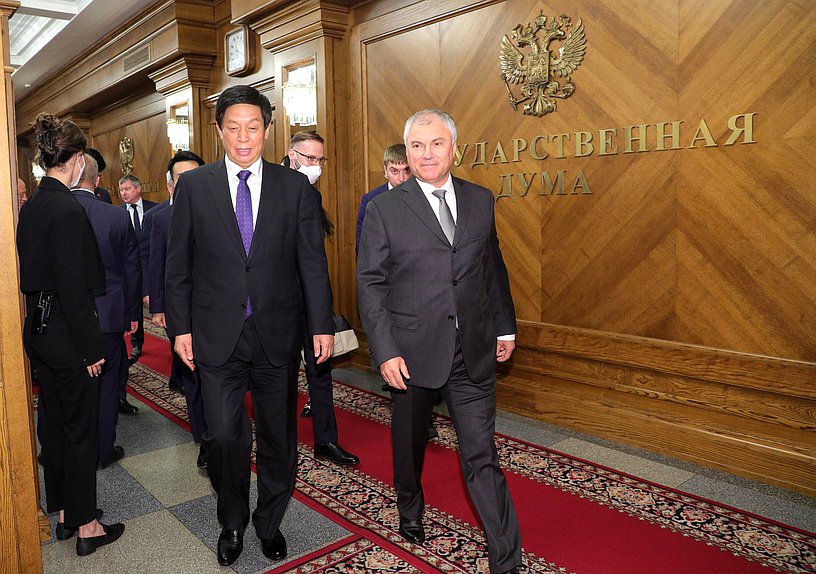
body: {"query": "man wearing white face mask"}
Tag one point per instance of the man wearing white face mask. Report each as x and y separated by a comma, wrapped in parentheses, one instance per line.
(306, 156)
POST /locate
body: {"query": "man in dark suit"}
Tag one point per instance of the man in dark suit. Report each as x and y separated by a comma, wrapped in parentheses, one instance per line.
(100, 192)
(181, 162)
(245, 256)
(174, 382)
(117, 307)
(435, 303)
(130, 190)
(306, 149)
(397, 170)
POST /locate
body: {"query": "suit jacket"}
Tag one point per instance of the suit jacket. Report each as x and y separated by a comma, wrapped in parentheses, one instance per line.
(58, 252)
(209, 276)
(159, 236)
(146, 206)
(103, 195)
(412, 285)
(118, 305)
(144, 243)
(361, 212)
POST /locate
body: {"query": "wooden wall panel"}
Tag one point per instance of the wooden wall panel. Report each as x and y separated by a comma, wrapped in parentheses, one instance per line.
(671, 307)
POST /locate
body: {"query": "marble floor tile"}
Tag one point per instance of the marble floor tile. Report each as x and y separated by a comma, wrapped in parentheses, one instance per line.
(154, 543)
(170, 474)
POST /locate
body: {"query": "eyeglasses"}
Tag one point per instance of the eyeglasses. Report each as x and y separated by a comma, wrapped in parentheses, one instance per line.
(312, 160)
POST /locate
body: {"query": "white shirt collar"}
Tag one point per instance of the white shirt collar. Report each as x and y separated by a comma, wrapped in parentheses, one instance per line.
(428, 189)
(233, 168)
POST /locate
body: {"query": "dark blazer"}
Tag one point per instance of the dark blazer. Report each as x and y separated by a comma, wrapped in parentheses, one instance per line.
(103, 195)
(209, 275)
(144, 242)
(361, 212)
(146, 206)
(117, 306)
(412, 284)
(58, 252)
(159, 236)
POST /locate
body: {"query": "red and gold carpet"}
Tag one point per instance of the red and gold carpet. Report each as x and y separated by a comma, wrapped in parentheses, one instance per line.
(575, 516)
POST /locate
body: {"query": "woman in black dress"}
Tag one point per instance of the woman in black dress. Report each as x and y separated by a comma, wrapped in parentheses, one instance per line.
(60, 270)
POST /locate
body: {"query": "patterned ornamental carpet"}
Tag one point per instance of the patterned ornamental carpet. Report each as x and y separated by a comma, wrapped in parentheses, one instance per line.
(575, 516)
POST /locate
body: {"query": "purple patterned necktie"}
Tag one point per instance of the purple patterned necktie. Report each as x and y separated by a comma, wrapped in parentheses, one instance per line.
(243, 213)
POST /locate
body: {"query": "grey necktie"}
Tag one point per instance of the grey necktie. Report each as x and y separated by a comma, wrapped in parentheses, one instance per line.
(445, 216)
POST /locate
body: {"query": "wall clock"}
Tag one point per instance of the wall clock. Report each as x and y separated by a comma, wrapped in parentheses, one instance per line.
(239, 57)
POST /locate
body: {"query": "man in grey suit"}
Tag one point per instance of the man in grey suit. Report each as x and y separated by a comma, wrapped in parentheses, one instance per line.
(245, 263)
(435, 303)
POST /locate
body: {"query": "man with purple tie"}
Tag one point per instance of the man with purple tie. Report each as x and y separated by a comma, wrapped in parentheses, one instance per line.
(245, 262)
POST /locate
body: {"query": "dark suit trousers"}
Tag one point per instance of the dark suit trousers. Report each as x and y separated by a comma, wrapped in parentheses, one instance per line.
(190, 382)
(319, 379)
(113, 372)
(472, 406)
(67, 422)
(229, 433)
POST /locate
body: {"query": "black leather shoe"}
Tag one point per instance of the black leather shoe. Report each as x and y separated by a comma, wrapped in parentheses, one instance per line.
(512, 571)
(335, 453)
(135, 352)
(432, 432)
(201, 462)
(126, 408)
(85, 546)
(230, 545)
(64, 533)
(274, 548)
(116, 454)
(412, 530)
(307, 410)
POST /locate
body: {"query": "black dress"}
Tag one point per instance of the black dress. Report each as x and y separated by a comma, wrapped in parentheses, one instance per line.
(59, 256)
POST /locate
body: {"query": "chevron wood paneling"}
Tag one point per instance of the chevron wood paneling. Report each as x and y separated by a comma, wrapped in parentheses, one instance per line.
(702, 256)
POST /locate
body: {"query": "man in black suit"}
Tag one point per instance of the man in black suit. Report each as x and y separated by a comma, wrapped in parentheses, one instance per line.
(100, 192)
(130, 190)
(117, 307)
(245, 256)
(181, 162)
(435, 303)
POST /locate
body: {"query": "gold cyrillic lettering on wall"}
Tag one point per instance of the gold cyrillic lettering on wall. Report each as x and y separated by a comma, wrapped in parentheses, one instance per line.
(534, 147)
(703, 133)
(662, 136)
(583, 144)
(641, 138)
(499, 153)
(747, 128)
(519, 145)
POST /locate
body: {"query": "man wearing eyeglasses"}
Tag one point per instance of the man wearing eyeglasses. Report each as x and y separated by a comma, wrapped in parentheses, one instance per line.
(306, 156)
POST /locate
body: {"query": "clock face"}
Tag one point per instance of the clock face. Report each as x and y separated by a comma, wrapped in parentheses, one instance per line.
(237, 57)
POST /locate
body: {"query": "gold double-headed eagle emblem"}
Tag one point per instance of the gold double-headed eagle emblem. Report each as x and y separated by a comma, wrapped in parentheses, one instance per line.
(539, 86)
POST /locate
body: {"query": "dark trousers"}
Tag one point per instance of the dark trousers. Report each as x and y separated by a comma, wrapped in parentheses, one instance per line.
(114, 371)
(321, 395)
(229, 433)
(191, 383)
(177, 367)
(67, 422)
(137, 337)
(472, 406)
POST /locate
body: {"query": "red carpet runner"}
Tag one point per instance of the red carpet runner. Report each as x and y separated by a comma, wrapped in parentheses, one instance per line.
(575, 516)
